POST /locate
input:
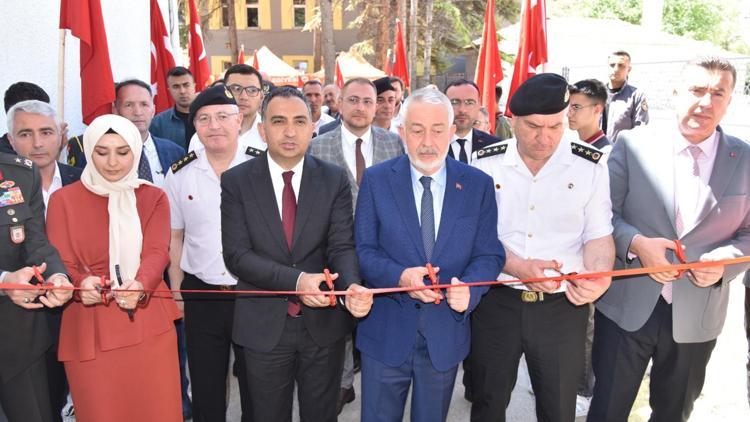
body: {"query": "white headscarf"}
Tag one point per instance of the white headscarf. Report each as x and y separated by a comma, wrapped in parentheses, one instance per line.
(125, 236)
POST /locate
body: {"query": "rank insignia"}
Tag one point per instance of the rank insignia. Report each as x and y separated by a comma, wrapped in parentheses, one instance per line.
(7, 184)
(491, 150)
(12, 196)
(254, 152)
(586, 152)
(182, 162)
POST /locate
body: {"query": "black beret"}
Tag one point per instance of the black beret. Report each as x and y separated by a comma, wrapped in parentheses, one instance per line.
(382, 85)
(215, 95)
(545, 93)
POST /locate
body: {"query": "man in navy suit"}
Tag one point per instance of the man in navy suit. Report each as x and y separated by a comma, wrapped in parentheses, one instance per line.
(413, 210)
(135, 102)
(464, 97)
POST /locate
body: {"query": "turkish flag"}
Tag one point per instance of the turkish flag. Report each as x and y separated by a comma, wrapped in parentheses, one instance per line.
(241, 55)
(532, 45)
(198, 58)
(400, 64)
(339, 77)
(162, 59)
(84, 19)
(255, 60)
(489, 69)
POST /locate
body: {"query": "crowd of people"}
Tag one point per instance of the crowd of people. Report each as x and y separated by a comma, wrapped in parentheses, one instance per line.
(250, 202)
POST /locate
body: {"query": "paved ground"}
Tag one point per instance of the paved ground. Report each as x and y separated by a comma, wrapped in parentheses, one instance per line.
(724, 395)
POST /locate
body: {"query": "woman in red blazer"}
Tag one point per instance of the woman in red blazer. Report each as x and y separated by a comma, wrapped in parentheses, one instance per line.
(120, 354)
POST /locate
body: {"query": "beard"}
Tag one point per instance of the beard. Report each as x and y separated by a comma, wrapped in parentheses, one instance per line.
(424, 166)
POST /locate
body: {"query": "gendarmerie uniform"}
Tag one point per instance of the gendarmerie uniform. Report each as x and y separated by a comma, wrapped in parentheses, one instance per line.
(24, 334)
(194, 193)
(549, 215)
(626, 108)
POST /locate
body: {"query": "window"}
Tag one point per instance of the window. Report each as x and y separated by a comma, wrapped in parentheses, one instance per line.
(224, 13)
(299, 13)
(225, 65)
(253, 20)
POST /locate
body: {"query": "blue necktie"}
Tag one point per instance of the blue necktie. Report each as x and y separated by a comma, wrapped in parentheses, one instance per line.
(462, 157)
(144, 169)
(428, 218)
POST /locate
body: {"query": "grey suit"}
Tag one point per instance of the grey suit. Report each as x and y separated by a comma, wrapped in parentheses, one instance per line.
(642, 189)
(633, 325)
(385, 144)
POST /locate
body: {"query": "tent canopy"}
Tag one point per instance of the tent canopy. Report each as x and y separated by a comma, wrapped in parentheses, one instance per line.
(353, 65)
(275, 69)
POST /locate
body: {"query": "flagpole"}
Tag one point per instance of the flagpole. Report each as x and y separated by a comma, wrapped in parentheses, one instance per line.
(61, 78)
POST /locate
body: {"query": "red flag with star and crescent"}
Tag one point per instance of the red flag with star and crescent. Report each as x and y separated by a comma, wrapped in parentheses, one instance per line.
(162, 59)
(532, 44)
(489, 68)
(198, 57)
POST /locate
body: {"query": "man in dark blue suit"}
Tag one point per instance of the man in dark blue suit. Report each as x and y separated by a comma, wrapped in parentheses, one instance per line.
(411, 211)
(464, 97)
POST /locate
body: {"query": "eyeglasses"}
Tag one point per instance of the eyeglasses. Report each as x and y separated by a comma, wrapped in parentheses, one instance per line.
(205, 119)
(251, 91)
(575, 108)
(468, 103)
(355, 101)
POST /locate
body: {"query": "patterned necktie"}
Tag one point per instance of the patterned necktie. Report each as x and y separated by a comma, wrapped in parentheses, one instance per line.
(695, 152)
(359, 161)
(428, 218)
(144, 169)
(462, 157)
(288, 215)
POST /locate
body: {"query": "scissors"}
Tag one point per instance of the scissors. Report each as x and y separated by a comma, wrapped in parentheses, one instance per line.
(131, 312)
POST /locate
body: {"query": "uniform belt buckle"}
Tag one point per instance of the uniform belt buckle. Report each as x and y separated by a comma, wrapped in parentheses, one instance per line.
(226, 287)
(531, 297)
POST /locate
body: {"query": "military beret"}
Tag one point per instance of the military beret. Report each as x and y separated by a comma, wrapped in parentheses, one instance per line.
(215, 95)
(382, 85)
(545, 93)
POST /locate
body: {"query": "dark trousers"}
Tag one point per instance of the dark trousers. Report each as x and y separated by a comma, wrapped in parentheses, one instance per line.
(747, 334)
(385, 388)
(25, 397)
(586, 385)
(550, 333)
(620, 359)
(296, 358)
(57, 381)
(208, 337)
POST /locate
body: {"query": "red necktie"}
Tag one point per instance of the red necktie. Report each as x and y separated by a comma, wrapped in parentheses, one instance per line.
(288, 215)
(359, 161)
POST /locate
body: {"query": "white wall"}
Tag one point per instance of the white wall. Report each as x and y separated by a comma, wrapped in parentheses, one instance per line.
(31, 41)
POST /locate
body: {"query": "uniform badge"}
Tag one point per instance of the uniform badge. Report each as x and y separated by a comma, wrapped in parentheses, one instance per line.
(12, 196)
(7, 184)
(27, 162)
(566, 97)
(17, 234)
(644, 105)
(255, 152)
(227, 93)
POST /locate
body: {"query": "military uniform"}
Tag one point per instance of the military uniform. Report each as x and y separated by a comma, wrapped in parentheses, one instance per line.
(626, 109)
(24, 334)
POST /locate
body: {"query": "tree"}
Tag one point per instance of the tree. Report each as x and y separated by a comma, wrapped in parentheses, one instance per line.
(427, 42)
(234, 47)
(327, 41)
(412, 31)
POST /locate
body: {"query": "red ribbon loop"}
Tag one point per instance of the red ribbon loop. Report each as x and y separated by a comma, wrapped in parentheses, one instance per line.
(433, 278)
(329, 283)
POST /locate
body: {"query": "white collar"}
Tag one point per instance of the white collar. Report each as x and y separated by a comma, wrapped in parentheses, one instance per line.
(350, 138)
(276, 170)
(707, 145)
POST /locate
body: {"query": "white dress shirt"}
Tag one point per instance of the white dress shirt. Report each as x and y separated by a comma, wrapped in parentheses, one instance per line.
(194, 194)
(437, 187)
(149, 150)
(278, 181)
(552, 214)
(456, 147)
(55, 185)
(349, 145)
(691, 191)
(324, 119)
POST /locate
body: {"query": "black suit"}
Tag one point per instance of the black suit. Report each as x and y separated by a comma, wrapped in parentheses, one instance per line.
(329, 126)
(24, 334)
(479, 140)
(256, 251)
(5, 145)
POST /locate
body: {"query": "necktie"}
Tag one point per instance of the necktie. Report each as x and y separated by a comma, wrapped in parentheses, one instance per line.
(428, 218)
(462, 157)
(359, 160)
(288, 215)
(695, 152)
(144, 169)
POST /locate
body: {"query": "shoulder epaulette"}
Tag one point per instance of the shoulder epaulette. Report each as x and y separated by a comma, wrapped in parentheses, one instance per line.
(587, 152)
(254, 152)
(491, 150)
(17, 160)
(182, 162)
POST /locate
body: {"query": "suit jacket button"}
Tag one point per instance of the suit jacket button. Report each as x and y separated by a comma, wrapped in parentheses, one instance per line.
(294, 265)
(417, 305)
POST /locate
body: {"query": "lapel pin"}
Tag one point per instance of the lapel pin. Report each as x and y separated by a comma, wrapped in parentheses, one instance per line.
(459, 186)
(732, 154)
(497, 186)
(570, 185)
(190, 197)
